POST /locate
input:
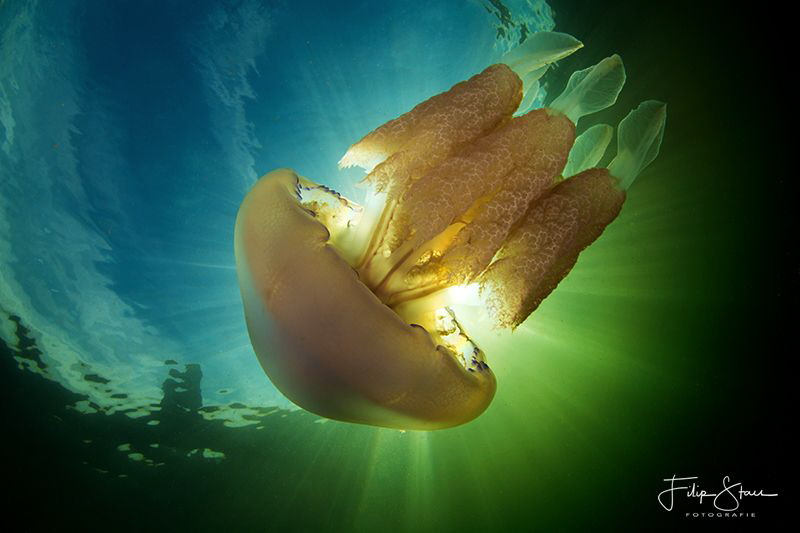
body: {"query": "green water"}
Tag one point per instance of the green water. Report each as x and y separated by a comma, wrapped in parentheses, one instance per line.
(660, 354)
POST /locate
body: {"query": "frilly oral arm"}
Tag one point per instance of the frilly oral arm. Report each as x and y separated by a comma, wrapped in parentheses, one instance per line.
(542, 250)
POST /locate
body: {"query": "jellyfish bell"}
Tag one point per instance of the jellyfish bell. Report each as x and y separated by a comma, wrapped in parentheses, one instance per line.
(326, 341)
(350, 308)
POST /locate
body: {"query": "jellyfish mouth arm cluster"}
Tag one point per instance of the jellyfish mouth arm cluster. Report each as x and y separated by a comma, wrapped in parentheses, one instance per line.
(349, 307)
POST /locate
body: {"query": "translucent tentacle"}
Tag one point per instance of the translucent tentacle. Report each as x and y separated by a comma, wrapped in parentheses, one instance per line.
(532, 59)
(592, 89)
(638, 140)
(530, 92)
(539, 50)
(589, 148)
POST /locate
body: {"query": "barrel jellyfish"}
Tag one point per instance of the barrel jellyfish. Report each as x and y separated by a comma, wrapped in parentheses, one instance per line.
(349, 307)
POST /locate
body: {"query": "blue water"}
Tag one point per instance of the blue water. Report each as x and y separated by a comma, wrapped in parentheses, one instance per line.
(130, 132)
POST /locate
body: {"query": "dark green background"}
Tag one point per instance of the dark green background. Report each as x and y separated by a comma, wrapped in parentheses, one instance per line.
(665, 351)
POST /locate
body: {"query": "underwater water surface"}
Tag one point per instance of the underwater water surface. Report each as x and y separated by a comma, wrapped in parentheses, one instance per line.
(130, 132)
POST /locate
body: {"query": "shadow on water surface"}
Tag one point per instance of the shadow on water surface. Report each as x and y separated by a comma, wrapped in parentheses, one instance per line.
(117, 472)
